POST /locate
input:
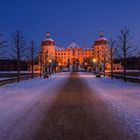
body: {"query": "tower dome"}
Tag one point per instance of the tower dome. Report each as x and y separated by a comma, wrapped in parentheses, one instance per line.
(48, 40)
(101, 40)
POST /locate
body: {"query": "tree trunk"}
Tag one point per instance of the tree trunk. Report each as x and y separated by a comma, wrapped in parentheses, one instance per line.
(112, 63)
(104, 69)
(18, 71)
(111, 70)
(32, 55)
(124, 70)
(18, 57)
(32, 70)
(41, 63)
(125, 50)
(40, 70)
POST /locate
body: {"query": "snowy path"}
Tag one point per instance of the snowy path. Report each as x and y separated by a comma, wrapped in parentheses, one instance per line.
(70, 107)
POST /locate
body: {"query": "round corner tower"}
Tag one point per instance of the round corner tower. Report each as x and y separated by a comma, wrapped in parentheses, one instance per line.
(48, 47)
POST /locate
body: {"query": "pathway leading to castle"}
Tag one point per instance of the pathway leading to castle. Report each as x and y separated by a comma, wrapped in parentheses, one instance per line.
(68, 109)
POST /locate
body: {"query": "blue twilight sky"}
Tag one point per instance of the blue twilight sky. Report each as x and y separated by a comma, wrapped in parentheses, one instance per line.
(68, 20)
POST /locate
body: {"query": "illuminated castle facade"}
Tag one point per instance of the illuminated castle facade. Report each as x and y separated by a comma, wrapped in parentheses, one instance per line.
(75, 54)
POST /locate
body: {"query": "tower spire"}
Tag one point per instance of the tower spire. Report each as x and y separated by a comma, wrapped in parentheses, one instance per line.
(48, 34)
(101, 34)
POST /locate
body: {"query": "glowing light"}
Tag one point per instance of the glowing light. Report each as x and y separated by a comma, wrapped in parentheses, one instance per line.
(94, 60)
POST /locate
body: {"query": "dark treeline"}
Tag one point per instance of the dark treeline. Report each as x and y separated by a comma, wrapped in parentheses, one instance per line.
(132, 63)
(11, 65)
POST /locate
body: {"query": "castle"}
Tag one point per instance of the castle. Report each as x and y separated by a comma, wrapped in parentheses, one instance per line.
(98, 53)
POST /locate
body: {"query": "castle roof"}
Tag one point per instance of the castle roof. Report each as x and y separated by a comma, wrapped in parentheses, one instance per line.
(87, 49)
(59, 48)
(48, 40)
(73, 45)
(48, 37)
(101, 37)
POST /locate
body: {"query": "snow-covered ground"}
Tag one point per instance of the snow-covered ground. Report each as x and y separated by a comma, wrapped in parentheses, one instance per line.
(21, 102)
(29, 100)
(4, 78)
(122, 98)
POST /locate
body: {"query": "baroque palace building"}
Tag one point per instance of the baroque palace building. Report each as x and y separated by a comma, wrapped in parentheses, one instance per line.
(98, 53)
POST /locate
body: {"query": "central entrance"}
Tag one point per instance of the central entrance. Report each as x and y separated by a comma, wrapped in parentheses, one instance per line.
(74, 65)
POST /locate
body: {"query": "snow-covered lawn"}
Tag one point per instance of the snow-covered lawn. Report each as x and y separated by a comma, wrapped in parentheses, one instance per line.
(4, 78)
(26, 102)
(122, 98)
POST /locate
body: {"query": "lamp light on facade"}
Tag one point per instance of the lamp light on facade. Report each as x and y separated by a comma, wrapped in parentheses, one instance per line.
(59, 64)
(94, 60)
(50, 61)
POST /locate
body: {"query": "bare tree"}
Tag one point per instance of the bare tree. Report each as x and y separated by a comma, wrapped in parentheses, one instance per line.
(18, 50)
(41, 60)
(105, 58)
(31, 57)
(125, 48)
